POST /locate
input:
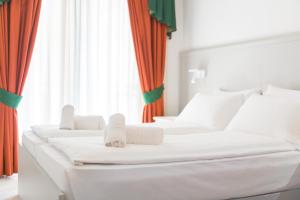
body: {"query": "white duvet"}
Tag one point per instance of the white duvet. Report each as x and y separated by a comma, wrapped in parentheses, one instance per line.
(176, 148)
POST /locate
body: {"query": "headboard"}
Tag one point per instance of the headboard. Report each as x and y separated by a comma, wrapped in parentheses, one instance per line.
(243, 65)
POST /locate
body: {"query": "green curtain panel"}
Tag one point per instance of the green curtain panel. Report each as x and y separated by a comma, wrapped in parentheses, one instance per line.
(3, 1)
(164, 12)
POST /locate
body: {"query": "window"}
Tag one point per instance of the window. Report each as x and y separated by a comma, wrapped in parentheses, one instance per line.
(83, 56)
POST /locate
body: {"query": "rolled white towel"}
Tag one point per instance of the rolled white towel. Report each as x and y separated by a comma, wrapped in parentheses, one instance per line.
(89, 122)
(144, 135)
(67, 118)
(115, 131)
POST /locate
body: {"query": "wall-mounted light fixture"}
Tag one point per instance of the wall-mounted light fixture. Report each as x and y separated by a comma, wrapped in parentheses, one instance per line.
(197, 74)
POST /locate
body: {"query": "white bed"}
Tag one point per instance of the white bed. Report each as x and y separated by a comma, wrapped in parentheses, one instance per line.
(46, 173)
(206, 179)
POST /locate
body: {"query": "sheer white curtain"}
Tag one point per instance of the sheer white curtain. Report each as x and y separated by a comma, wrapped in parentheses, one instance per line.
(83, 56)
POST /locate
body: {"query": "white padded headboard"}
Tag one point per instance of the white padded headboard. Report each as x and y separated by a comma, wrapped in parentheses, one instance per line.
(243, 65)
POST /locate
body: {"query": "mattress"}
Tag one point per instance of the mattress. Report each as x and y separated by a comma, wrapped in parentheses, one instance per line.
(194, 180)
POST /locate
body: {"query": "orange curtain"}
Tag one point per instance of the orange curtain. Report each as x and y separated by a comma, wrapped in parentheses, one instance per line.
(149, 37)
(18, 27)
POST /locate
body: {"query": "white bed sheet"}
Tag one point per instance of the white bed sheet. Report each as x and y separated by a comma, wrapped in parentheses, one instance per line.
(196, 180)
(173, 127)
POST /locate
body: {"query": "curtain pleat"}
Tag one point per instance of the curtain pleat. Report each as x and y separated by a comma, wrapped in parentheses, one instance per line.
(18, 27)
(149, 38)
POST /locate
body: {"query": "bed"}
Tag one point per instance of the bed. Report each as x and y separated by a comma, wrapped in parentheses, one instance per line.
(51, 171)
(211, 177)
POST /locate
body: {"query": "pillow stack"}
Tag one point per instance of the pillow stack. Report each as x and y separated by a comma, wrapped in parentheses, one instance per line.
(276, 91)
(275, 114)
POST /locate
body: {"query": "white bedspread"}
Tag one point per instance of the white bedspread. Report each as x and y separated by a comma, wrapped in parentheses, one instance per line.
(176, 148)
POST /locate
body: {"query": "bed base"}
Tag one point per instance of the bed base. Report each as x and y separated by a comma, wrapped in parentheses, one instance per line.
(35, 184)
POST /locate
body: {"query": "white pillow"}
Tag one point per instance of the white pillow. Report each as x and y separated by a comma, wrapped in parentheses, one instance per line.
(67, 118)
(269, 115)
(211, 110)
(89, 123)
(277, 91)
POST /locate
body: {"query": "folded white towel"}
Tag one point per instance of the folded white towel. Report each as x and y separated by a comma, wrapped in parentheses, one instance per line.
(115, 132)
(89, 123)
(144, 135)
(67, 118)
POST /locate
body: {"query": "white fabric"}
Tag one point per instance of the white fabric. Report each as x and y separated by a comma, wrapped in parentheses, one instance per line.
(176, 148)
(164, 118)
(47, 131)
(55, 168)
(277, 91)
(115, 131)
(89, 122)
(211, 180)
(67, 118)
(177, 127)
(247, 93)
(197, 180)
(211, 110)
(84, 56)
(271, 116)
(172, 128)
(31, 141)
(144, 135)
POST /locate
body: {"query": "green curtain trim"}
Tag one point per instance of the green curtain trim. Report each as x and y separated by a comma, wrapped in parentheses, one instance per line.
(164, 12)
(153, 95)
(3, 1)
(9, 99)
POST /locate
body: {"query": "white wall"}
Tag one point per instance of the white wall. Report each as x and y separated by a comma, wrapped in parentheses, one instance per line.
(213, 22)
(174, 46)
(204, 23)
